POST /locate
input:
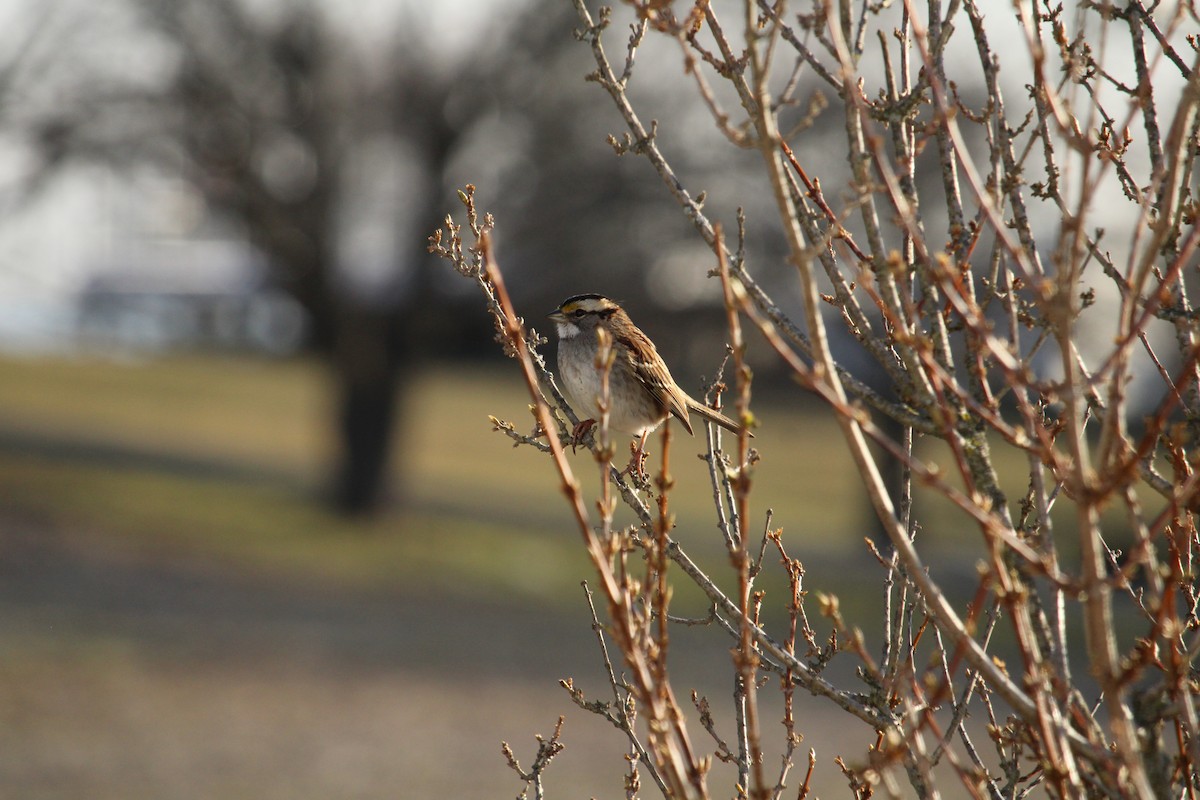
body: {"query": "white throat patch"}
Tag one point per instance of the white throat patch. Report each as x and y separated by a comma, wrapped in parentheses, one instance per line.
(567, 330)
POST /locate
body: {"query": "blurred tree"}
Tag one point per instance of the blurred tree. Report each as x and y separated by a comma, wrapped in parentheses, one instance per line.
(288, 131)
(264, 113)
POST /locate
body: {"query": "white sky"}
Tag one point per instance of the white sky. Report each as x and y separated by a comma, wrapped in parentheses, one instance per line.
(48, 249)
(49, 245)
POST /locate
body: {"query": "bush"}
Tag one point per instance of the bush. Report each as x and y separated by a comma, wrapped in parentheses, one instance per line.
(1034, 299)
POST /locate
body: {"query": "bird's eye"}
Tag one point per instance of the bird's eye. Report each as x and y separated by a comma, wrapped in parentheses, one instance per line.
(579, 312)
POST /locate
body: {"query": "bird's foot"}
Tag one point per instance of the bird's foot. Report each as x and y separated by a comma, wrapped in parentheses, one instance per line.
(580, 431)
(636, 468)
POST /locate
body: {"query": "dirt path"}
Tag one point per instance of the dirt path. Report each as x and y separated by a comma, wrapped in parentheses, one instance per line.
(127, 673)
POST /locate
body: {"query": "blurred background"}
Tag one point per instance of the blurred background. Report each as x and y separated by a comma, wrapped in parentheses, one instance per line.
(256, 536)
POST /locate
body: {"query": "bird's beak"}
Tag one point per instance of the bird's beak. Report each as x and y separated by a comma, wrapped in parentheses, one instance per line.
(557, 316)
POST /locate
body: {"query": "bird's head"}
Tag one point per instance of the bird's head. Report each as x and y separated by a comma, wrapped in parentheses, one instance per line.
(583, 312)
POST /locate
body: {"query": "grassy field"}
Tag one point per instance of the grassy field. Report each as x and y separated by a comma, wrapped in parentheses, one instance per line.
(230, 457)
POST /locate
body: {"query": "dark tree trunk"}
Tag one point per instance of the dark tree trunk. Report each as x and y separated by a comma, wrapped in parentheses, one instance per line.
(368, 368)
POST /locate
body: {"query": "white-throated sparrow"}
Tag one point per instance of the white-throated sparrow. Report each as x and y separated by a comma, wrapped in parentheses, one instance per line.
(641, 391)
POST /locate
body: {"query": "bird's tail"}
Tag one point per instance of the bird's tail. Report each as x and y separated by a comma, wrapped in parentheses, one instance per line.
(714, 416)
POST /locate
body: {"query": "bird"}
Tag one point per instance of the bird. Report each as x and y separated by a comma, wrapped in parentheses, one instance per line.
(642, 393)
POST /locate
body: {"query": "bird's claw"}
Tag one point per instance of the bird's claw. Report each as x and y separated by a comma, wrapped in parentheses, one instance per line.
(636, 469)
(580, 431)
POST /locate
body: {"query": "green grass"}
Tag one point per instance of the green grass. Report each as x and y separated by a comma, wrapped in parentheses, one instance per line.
(472, 513)
(248, 410)
(265, 424)
(477, 515)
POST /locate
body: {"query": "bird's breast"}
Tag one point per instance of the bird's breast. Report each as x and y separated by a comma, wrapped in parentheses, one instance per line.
(631, 412)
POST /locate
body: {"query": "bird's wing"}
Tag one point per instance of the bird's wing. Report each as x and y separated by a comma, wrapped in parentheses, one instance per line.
(655, 376)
